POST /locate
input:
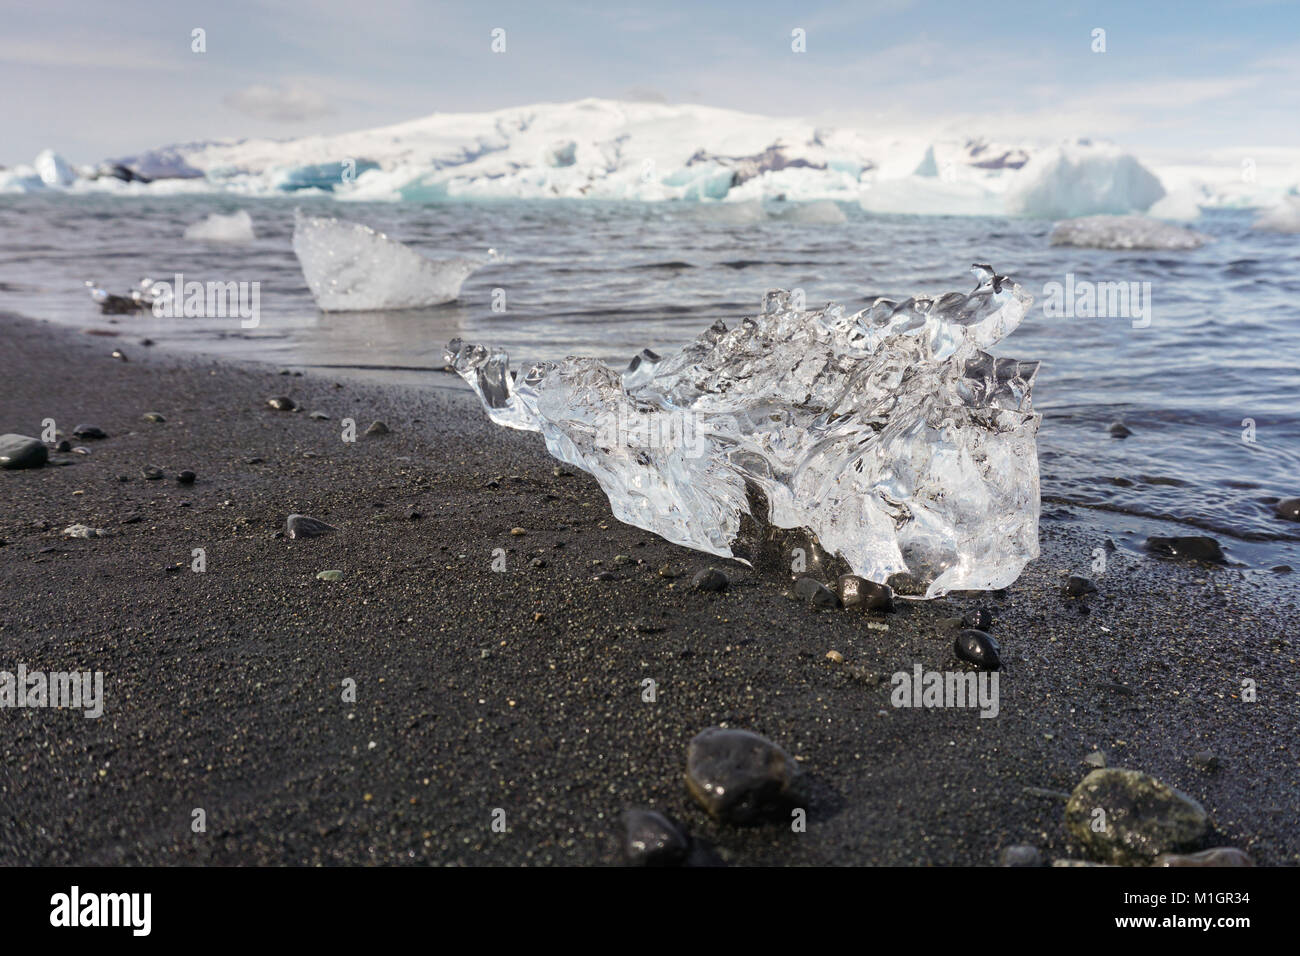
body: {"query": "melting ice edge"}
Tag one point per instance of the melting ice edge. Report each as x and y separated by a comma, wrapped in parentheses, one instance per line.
(886, 443)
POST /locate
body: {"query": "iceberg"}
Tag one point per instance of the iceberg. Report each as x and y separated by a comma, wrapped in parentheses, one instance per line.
(1124, 232)
(927, 196)
(54, 169)
(886, 442)
(823, 212)
(352, 268)
(236, 227)
(1284, 217)
(1072, 181)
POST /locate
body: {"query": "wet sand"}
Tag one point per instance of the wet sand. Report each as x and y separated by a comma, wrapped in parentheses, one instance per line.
(521, 690)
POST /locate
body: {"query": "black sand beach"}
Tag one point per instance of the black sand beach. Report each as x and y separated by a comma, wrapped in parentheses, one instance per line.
(522, 691)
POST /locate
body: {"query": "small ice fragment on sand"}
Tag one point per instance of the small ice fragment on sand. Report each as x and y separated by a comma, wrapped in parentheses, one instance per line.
(881, 443)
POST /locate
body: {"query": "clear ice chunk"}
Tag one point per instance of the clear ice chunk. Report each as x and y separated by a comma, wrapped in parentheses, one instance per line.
(236, 227)
(352, 268)
(1124, 232)
(887, 442)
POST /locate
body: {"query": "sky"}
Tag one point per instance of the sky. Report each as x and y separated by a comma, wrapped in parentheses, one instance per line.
(94, 79)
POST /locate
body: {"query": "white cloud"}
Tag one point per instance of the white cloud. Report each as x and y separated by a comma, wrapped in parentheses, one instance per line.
(283, 104)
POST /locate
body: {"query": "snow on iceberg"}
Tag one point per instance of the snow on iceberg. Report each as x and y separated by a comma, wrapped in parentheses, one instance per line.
(1071, 181)
(54, 169)
(1124, 232)
(1284, 217)
(887, 443)
(929, 196)
(236, 227)
(352, 268)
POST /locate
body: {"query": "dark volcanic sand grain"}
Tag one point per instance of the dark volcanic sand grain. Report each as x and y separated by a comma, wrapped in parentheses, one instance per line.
(522, 690)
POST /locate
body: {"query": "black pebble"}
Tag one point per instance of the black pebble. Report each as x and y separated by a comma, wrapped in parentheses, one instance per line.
(1119, 430)
(1078, 586)
(89, 431)
(651, 839)
(867, 595)
(1190, 548)
(1288, 509)
(281, 403)
(64, 446)
(978, 618)
(186, 477)
(151, 472)
(710, 579)
(978, 648)
(815, 593)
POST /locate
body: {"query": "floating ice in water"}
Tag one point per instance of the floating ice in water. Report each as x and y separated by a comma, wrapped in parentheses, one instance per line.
(1184, 205)
(237, 227)
(54, 169)
(1281, 218)
(741, 213)
(1124, 232)
(886, 442)
(350, 267)
(823, 212)
(1071, 181)
(928, 196)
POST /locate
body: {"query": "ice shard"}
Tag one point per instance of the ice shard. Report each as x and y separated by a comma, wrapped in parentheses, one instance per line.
(886, 442)
(351, 268)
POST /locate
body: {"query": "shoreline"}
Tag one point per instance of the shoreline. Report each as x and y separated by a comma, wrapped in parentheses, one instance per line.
(222, 688)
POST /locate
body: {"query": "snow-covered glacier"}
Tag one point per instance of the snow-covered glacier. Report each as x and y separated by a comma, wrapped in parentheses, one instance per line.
(610, 149)
(887, 442)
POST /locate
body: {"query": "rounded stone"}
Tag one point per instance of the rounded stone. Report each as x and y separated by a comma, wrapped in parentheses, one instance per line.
(741, 777)
(282, 403)
(815, 593)
(20, 451)
(652, 839)
(1020, 855)
(710, 579)
(1288, 509)
(978, 648)
(856, 592)
(89, 432)
(1196, 547)
(1077, 586)
(1218, 856)
(1126, 816)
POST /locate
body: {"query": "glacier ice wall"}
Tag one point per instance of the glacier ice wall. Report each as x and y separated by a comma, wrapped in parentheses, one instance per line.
(350, 267)
(887, 441)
